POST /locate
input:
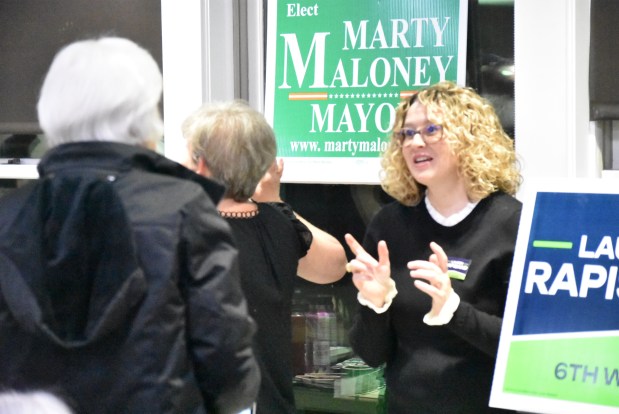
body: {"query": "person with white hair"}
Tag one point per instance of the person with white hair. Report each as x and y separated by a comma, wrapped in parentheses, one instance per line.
(34, 402)
(119, 282)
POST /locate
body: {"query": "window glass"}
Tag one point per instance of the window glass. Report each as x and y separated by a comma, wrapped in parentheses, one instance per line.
(33, 31)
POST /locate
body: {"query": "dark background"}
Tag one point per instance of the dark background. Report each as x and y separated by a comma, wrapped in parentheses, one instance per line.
(32, 31)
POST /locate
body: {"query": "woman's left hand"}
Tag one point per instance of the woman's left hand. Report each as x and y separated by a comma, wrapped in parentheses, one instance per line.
(268, 189)
(436, 282)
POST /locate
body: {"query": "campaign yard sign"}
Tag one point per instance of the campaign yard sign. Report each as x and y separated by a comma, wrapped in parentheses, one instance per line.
(559, 347)
(336, 70)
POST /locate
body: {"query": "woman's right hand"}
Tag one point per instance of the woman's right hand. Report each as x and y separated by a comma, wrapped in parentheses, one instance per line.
(370, 276)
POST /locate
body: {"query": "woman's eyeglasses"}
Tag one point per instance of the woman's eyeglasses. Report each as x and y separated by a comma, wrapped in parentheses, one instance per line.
(430, 134)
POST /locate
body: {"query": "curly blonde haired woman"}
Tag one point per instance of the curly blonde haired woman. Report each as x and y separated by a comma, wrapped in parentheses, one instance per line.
(433, 301)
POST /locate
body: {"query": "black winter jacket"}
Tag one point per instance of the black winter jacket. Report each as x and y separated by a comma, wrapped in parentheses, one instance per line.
(119, 287)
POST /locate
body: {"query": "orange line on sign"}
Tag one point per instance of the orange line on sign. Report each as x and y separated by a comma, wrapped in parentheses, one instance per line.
(407, 94)
(307, 96)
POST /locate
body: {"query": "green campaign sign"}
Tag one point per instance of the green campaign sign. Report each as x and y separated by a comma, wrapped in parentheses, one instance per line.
(336, 70)
(560, 334)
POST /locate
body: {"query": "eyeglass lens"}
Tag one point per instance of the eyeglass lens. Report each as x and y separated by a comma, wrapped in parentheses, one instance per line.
(430, 134)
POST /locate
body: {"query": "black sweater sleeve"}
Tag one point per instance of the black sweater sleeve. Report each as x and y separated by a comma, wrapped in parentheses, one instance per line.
(478, 328)
(371, 336)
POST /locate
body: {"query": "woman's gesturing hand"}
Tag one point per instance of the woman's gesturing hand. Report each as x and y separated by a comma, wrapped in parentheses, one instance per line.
(371, 277)
(436, 282)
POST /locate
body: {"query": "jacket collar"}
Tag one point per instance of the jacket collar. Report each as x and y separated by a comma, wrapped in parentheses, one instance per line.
(121, 157)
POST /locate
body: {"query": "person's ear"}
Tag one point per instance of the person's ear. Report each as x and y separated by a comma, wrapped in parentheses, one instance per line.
(202, 168)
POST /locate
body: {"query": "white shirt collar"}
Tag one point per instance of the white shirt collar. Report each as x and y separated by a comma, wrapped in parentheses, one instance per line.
(454, 218)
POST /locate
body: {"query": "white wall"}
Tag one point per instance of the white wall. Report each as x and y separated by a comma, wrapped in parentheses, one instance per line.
(551, 55)
(182, 55)
(197, 47)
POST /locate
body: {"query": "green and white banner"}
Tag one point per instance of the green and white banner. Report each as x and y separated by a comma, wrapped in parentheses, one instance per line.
(559, 347)
(336, 70)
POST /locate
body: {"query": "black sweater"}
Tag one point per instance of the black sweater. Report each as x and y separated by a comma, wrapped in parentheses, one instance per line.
(440, 369)
(270, 245)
